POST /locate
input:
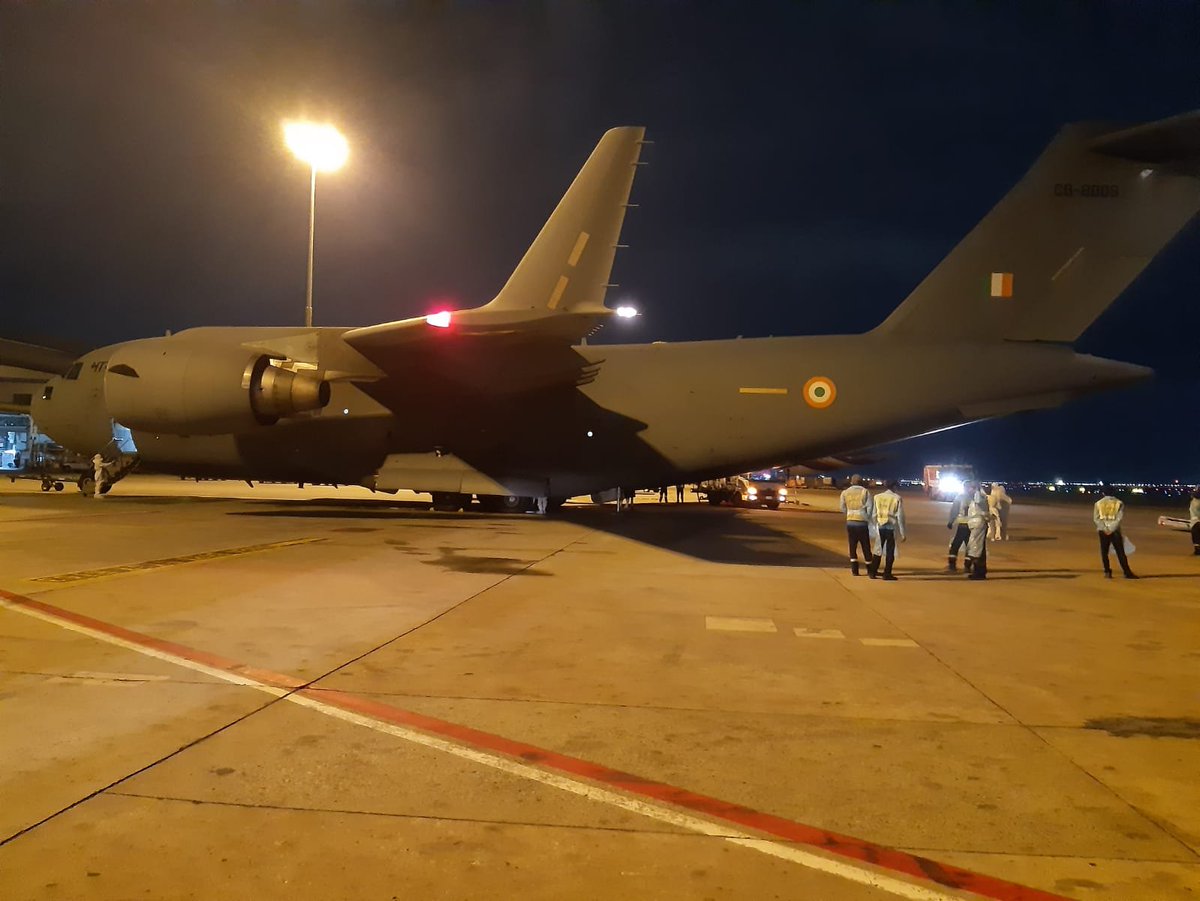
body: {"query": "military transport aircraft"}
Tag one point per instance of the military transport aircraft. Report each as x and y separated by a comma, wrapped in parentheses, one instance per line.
(508, 403)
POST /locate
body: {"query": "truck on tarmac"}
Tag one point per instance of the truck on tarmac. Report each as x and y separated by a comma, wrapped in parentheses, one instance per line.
(944, 481)
(744, 491)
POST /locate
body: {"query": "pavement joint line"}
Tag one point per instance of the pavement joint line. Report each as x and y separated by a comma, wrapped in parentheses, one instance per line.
(175, 799)
(91, 575)
(812, 847)
(1033, 731)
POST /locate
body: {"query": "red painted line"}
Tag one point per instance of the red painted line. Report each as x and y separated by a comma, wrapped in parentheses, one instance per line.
(912, 865)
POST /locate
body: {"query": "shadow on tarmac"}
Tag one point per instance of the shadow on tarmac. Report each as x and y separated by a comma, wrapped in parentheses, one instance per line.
(714, 534)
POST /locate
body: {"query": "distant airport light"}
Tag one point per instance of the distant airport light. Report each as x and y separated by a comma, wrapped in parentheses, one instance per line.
(440, 319)
(321, 146)
(626, 312)
(1146, 173)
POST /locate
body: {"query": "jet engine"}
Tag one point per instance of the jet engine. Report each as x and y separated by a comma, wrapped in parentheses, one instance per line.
(179, 387)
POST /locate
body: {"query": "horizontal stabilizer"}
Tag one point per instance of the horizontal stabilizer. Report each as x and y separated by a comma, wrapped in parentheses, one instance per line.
(1172, 143)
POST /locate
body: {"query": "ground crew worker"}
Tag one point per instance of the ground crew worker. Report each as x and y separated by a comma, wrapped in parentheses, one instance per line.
(889, 518)
(98, 474)
(978, 518)
(662, 494)
(1194, 520)
(856, 504)
(1107, 515)
(679, 494)
(958, 522)
(998, 506)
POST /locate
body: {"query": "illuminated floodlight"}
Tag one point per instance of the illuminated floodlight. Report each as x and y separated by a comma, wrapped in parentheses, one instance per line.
(625, 311)
(950, 485)
(321, 146)
(440, 319)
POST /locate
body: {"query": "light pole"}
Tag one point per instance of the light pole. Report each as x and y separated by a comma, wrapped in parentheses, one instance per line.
(324, 149)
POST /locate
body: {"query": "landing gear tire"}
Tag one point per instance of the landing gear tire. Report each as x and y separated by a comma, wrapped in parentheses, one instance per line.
(47, 484)
(58, 486)
(87, 485)
(450, 502)
(505, 503)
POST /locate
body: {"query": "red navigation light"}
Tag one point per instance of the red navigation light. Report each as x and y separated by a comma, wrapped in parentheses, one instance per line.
(440, 319)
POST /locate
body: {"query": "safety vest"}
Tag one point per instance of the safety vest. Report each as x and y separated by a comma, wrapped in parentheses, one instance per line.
(856, 498)
(886, 507)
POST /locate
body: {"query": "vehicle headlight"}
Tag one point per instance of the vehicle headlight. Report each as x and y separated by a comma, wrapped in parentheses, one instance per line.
(782, 492)
(751, 492)
(950, 485)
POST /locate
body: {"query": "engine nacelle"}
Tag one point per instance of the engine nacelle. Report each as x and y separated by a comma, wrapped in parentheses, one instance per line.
(181, 387)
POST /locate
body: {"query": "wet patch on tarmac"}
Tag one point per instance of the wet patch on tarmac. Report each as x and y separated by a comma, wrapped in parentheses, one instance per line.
(450, 559)
(1149, 726)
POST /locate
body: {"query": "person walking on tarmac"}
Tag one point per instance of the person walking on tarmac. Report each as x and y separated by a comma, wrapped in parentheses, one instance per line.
(1107, 515)
(97, 476)
(978, 518)
(998, 505)
(1194, 520)
(856, 504)
(889, 519)
(958, 522)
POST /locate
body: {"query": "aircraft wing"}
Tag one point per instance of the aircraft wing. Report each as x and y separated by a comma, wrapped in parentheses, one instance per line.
(24, 368)
(522, 339)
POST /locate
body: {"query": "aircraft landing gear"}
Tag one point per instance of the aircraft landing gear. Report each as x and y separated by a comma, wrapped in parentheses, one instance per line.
(47, 484)
(505, 503)
(450, 502)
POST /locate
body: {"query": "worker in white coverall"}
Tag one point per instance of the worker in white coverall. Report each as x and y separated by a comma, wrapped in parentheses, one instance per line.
(855, 502)
(889, 522)
(1194, 520)
(1107, 515)
(98, 474)
(958, 522)
(978, 518)
(998, 505)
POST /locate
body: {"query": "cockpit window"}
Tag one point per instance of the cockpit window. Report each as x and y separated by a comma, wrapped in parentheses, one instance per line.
(47, 392)
(123, 369)
(73, 372)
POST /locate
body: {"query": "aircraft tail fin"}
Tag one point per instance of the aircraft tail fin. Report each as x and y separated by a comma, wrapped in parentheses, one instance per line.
(1059, 248)
(568, 266)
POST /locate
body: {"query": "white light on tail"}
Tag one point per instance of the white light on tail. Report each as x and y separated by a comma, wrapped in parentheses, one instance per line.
(627, 312)
(440, 319)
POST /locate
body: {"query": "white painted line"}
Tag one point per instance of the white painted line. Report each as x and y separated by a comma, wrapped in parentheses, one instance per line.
(739, 624)
(889, 642)
(671, 816)
(818, 633)
(118, 677)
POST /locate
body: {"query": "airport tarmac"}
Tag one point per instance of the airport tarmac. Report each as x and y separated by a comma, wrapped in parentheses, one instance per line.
(213, 691)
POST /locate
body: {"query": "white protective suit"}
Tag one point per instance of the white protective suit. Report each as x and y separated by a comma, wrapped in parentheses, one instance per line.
(998, 506)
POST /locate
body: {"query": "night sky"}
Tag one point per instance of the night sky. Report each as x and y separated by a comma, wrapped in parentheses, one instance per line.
(812, 162)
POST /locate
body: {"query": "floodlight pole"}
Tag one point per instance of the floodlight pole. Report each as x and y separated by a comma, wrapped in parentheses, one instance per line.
(312, 226)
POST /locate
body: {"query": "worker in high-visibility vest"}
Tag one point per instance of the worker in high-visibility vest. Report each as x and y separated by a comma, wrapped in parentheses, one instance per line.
(1107, 515)
(855, 502)
(889, 520)
(962, 531)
